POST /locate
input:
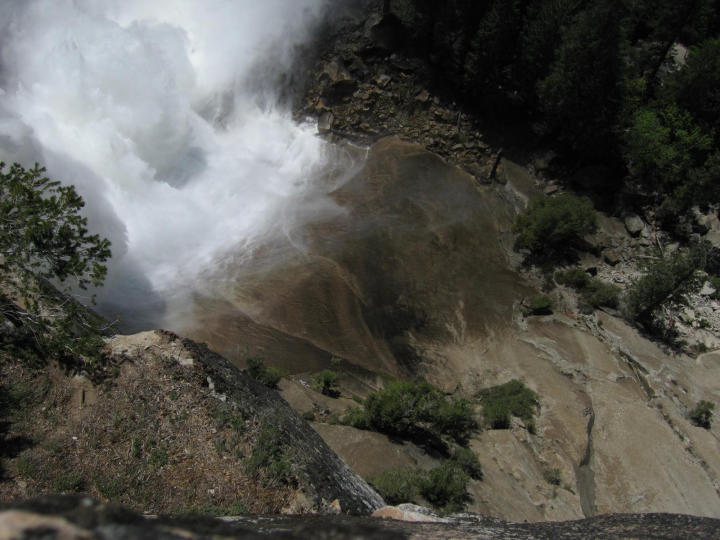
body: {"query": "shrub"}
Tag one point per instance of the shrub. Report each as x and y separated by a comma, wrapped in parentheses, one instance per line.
(269, 457)
(403, 407)
(575, 278)
(668, 279)
(702, 414)
(398, 485)
(552, 476)
(309, 416)
(445, 487)
(594, 292)
(269, 376)
(468, 462)
(539, 305)
(715, 282)
(72, 482)
(598, 293)
(325, 383)
(357, 418)
(455, 418)
(553, 226)
(512, 398)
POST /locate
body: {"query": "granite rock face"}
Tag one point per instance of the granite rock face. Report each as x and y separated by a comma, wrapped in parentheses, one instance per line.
(78, 518)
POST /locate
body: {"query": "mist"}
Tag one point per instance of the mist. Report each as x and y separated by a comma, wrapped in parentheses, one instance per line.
(166, 116)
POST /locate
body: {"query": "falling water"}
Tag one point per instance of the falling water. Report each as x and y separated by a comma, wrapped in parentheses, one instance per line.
(166, 116)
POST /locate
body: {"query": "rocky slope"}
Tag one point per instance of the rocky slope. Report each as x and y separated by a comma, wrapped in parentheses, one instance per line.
(417, 278)
(173, 428)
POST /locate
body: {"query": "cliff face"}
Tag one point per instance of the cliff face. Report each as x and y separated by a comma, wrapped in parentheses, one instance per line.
(613, 418)
(417, 277)
(176, 428)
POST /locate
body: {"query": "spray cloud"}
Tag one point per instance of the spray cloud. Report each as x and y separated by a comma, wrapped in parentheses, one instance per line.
(164, 116)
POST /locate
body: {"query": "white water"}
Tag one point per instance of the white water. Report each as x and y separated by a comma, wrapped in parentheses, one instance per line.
(164, 114)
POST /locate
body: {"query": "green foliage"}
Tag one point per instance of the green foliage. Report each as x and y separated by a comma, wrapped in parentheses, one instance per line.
(594, 292)
(402, 408)
(27, 467)
(325, 382)
(158, 457)
(600, 293)
(357, 418)
(702, 414)
(43, 234)
(594, 77)
(398, 485)
(238, 508)
(575, 278)
(715, 282)
(502, 401)
(309, 416)
(269, 376)
(579, 97)
(696, 87)
(468, 462)
(445, 487)
(110, 488)
(666, 280)
(552, 226)
(70, 482)
(552, 476)
(454, 417)
(269, 458)
(43, 239)
(539, 305)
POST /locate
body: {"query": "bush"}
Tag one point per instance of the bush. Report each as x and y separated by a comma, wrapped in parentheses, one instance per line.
(398, 485)
(269, 457)
(668, 279)
(357, 418)
(702, 414)
(552, 476)
(445, 487)
(575, 278)
(594, 292)
(269, 376)
(553, 226)
(539, 305)
(455, 418)
(512, 398)
(403, 407)
(715, 282)
(325, 383)
(468, 462)
(599, 293)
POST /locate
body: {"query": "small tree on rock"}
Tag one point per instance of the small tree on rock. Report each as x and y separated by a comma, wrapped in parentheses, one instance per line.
(44, 241)
(553, 226)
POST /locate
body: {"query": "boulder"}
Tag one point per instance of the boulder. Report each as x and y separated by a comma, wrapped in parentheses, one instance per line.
(707, 289)
(634, 224)
(325, 122)
(383, 80)
(423, 97)
(611, 256)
